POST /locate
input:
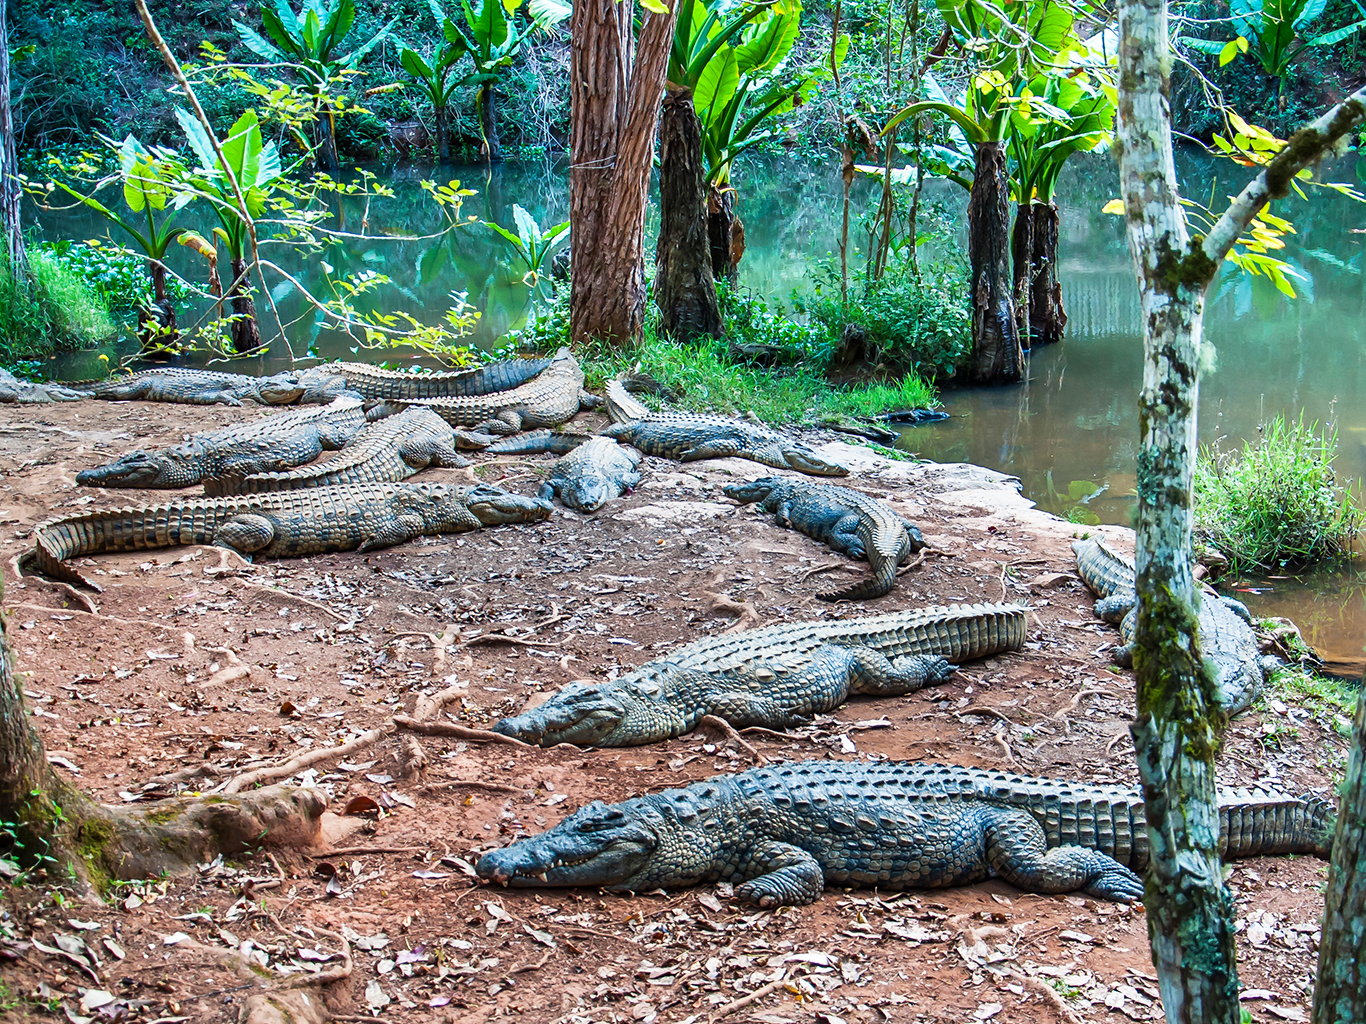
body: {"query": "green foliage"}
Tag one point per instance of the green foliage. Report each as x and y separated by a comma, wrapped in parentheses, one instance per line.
(311, 39)
(254, 163)
(117, 275)
(1274, 33)
(910, 392)
(57, 310)
(530, 244)
(752, 324)
(1277, 502)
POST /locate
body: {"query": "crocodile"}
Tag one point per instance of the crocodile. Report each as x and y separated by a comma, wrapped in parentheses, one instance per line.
(389, 450)
(27, 392)
(372, 382)
(281, 523)
(534, 442)
(280, 441)
(783, 832)
(188, 386)
(774, 676)
(547, 400)
(687, 437)
(592, 474)
(1225, 625)
(850, 522)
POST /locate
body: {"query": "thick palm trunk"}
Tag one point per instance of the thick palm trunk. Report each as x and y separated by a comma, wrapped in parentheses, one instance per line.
(488, 112)
(1340, 991)
(997, 355)
(10, 192)
(325, 157)
(1021, 261)
(157, 323)
(246, 336)
(443, 135)
(726, 231)
(684, 288)
(614, 108)
(1038, 295)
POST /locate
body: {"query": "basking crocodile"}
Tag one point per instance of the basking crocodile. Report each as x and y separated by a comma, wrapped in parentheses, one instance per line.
(547, 400)
(279, 441)
(534, 442)
(281, 523)
(189, 386)
(775, 676)
(372, 382)
(389, 450)
(1226, 636)
(857, 525)
(27, 392)
(687, 437)
(780, 834)
(592, 474)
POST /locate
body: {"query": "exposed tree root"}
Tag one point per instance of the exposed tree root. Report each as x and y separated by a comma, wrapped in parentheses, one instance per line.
(288, 768)
(459, 731)
(728, 732)
(411, 757)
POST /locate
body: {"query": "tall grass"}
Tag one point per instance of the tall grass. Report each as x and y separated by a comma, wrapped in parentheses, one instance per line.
(1277, 502)
(55, 309)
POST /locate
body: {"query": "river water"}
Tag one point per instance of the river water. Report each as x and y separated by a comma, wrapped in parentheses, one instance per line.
(1070, 433)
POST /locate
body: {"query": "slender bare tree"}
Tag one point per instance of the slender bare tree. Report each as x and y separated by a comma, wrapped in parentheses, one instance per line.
(10, 192)
(1179, 723)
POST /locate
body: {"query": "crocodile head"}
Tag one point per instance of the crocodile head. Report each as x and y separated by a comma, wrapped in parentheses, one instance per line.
(754, 490)
(581, 713)
(281, 389)
(596, 845)
(806, 460)
(136, 469)
(494, 506)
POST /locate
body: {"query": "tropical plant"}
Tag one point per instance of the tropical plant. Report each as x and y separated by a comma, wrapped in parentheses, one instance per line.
(436, 81)
(150, 179)
(310, 41)
(1273, 33)
(530, 244)
(254, 165)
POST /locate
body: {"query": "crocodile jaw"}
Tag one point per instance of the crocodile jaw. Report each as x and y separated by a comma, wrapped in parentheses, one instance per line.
(804, 460)
(597, 845)
(495, 507)
(579, 714)
(136, 469)
(283, 389)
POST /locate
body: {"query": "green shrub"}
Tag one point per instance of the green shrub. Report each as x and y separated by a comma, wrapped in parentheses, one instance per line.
(118, 275)
(1277, 502)
(55, 310)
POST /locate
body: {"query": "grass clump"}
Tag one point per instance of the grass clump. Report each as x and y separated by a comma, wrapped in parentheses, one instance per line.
(1277, 502)
(1332, 700)
(55, 309)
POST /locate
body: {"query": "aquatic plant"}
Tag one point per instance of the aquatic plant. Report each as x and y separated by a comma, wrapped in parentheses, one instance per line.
(1277, 502)
(57, 310)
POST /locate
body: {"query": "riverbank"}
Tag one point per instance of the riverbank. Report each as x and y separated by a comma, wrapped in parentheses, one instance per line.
(200, 672)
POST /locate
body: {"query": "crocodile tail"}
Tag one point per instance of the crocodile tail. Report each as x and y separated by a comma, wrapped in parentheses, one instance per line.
(883, 580)
(1103, 569)
(621, 406)
(1255, 823)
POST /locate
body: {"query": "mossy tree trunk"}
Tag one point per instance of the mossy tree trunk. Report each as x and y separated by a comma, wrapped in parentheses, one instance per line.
(246, 336)
(614, 97)
(1179, 722)
(684, 287)
(1340, 991)
(10, 192)
(997, 355)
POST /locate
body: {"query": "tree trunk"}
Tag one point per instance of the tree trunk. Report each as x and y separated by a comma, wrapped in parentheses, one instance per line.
(614, 107)
(325, 156)
(1047, 318)
(726, 232)
(443, 136)
(684, 288)
(10, 192)
(997, 356)
(1340, 991)
(1021, 260)
(488, 112)
(246, 336)
(157, 330)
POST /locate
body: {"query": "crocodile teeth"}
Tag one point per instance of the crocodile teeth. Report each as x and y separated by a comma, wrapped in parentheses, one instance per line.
(542, 877)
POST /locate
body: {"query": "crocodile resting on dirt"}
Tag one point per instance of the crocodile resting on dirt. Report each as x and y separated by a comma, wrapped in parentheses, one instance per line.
(774, 676)
(780, 834)
(371, 382)
(687, 437)
(850, 522)
(1226, 635)
(386, 451)
(189, 386)
(280, 441)
(547, 400)
(281, 523)
(592, 474)
(27, 392)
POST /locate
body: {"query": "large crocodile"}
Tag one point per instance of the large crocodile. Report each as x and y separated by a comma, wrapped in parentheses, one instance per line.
(780, 834)
(189, 386)
(775, 676)
(372, 382)
(547, 400)
(281, 523)
(389, 450)
(280, 441)
(27, 392)
(687, 437)
(1225, 625)
(857, 525)
(592, 474)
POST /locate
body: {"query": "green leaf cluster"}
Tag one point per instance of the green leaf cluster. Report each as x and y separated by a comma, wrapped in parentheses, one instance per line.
(310, 39)
(530, 244)
(1274, 33)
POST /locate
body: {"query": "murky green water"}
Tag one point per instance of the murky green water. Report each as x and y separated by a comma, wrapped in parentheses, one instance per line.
(1070, 433)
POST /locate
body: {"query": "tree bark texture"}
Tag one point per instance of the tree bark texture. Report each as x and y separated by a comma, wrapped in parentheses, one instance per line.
(246, 335)
(726, 231)
(326, 156)
(488, 111)
(1038, 294)
(614, 108)
(684, 288)
(1021, 261)
(1340, 990)
(10, 192)
(997, 355)
(157, 322)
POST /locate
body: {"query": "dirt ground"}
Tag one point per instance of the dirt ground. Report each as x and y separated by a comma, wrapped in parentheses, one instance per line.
(202, 671)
